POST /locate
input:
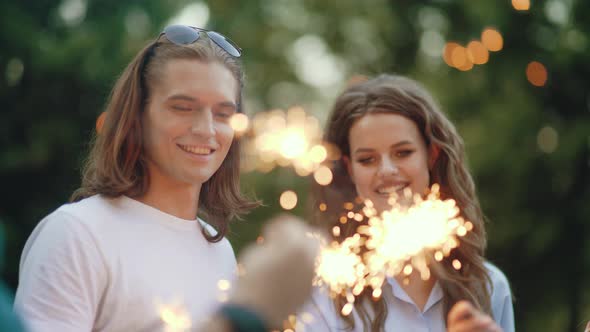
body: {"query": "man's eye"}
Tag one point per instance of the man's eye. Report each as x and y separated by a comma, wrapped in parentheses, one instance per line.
(224, 115)
(181, 108)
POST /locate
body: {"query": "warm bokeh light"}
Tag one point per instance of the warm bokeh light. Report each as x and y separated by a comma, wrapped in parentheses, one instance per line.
(521, 4)
(100, 122)
(467, 65)
(239, 122)
(318, 154)
(323, 207)
(339, 266)
(288, 200)
(456, 264)
(492, 39)
(223, 284)
(292, 143)
(536, 73)
(347, 309)
(477, 52)
(336, 231)
(438, 256)
(448, 53)
(459, 56)
(279, 138)
(323, 175)
(176, 318)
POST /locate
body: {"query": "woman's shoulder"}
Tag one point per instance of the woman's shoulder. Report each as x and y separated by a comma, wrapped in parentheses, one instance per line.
(500, 284)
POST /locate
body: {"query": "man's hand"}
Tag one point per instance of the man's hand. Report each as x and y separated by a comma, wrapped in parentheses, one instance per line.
(279, 272)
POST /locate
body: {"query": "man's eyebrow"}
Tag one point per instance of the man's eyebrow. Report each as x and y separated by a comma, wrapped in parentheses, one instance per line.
(228, 104)
(182, 97)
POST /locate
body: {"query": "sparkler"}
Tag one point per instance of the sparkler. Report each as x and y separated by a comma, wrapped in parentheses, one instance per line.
(175, 317)
(400, 240)
(290, 138)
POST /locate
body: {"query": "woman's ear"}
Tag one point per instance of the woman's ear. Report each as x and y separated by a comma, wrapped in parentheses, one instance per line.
(348, 165)
(433, 154)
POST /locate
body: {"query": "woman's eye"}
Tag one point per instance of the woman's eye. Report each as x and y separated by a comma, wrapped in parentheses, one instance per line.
(367, 160)
(404, 153)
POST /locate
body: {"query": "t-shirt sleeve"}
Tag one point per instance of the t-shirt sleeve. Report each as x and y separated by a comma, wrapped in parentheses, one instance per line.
(502, 308)
(62, 276)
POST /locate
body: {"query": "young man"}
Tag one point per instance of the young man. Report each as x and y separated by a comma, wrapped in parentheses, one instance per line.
(131, 243)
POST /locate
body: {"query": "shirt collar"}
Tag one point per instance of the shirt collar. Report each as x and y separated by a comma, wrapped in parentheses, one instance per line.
(436, 294)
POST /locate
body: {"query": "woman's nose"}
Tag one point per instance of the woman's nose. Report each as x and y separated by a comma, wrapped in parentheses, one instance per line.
(388, 168)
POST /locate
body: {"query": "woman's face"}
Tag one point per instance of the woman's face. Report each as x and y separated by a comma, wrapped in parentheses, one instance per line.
(187, 133)
(387, 155)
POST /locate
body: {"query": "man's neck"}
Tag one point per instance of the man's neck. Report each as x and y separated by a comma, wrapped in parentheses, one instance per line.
(172, 197)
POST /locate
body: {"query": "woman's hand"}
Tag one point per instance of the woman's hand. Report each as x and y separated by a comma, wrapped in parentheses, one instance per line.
(464, 317)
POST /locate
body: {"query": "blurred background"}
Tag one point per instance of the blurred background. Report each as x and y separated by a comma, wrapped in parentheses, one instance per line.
(513, 75)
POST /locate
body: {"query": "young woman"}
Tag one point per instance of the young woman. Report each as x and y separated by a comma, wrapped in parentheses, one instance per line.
(130, 242)
(392, 136)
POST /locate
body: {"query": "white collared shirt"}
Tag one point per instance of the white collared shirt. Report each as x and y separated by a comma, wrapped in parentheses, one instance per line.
(403, 314)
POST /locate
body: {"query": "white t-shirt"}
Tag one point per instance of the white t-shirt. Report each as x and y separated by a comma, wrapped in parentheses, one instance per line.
(402, 312)
(114, 265)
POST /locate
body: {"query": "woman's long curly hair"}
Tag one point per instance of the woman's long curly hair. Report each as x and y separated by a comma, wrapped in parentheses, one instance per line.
(403, 96)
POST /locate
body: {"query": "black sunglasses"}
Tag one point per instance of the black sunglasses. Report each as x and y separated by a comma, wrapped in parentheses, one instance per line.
(186, 35)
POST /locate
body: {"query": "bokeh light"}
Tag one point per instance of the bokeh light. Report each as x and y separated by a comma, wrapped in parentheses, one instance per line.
(492, 39)
(521, 4)
(239, 122)
(323, 175)
(536, 73)
(548, 139)
(448, 53)
(288, 200)
(279, 138)
(477, 52)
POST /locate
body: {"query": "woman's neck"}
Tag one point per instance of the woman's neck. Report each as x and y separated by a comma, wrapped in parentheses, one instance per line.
(417, 289)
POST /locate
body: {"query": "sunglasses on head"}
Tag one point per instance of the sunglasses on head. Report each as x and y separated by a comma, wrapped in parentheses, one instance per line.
(186, 35)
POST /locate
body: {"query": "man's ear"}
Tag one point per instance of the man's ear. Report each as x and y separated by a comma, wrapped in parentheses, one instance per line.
(348, 165)
(433, 153)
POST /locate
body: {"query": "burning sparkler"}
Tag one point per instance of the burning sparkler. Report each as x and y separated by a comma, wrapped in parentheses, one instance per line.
(290, 138)
(175, 317)
(400, 240)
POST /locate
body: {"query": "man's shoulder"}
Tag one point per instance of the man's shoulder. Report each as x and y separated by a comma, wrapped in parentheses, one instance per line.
(90, 209)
